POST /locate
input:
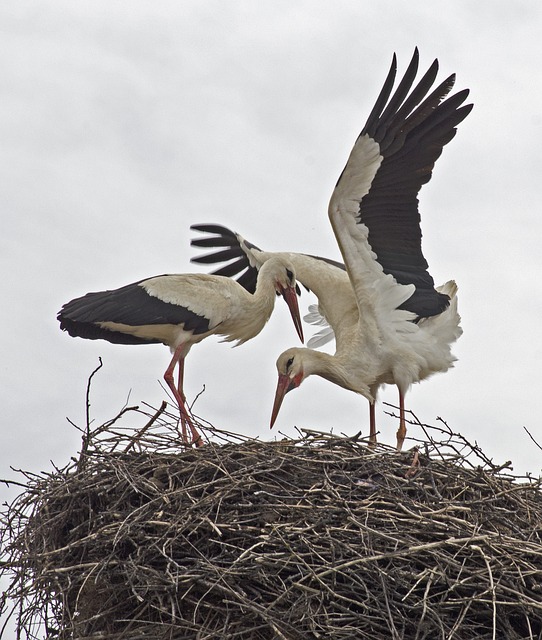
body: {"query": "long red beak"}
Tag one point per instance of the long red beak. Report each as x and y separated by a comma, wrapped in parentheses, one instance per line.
(290, 296)
(284, 385)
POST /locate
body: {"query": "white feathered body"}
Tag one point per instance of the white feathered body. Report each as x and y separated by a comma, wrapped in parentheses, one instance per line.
(383, 344)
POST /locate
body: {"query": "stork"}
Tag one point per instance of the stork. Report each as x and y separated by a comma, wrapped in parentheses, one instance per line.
(180, 311)
(390, 323)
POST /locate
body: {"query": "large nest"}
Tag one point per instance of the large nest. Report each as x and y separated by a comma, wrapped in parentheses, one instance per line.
(320, 537)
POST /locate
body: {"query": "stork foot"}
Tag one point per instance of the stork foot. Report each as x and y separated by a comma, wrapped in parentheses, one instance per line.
(401, 435)
(196, 436)
(187, 421)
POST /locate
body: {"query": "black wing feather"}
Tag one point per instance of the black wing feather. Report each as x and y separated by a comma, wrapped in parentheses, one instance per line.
(383, 97)
(229, 270)
(218, 229)
(214, 241)
(399, 95)
(218, 256)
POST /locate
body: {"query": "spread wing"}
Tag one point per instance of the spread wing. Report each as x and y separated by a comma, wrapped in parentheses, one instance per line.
(240, 255)
(374, 207)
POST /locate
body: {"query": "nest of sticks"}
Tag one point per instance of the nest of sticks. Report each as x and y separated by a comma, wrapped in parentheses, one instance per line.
(319, 537)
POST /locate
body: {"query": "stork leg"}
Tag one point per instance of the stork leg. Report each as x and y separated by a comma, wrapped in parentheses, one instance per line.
(185, 417)
(372, 424)
(401, 432)
(178, 394)
(180, 380)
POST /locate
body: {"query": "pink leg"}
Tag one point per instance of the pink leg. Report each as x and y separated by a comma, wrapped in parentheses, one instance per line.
(401, 432)
(372, 424)
(178, 394)
(181, 379)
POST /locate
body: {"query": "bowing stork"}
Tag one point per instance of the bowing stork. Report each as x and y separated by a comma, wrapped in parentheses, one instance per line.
(180, 311)
(391, 325)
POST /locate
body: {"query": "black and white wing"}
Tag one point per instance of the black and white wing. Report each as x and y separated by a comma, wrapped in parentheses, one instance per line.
(375, 200)
(143, 312)
(242, 257)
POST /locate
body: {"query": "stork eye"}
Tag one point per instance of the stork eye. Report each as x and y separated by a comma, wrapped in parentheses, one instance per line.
(290, 275)
(290, 362)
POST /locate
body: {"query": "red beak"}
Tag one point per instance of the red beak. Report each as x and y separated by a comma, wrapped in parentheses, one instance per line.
(284, 385)
(290, 296)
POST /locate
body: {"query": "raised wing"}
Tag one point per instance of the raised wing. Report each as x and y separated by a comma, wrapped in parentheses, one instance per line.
(241, 256)
(375, 199)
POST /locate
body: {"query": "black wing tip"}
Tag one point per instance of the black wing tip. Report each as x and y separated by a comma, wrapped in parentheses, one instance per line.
(461, 96)
(416, 58)
(217, 229)
(426, 302)
(466, 109)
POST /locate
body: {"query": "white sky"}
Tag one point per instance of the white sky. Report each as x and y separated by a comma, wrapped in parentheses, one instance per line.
(122, 123)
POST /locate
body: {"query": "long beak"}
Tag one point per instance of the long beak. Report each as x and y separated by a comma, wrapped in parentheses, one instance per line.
(284, 385)
(290, 296)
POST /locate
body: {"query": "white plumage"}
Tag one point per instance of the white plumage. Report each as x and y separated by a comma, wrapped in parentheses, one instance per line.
(391, 325)
(180, 311)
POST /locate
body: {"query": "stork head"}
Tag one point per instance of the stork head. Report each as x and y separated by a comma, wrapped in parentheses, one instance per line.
(291, 375)
(283, 276)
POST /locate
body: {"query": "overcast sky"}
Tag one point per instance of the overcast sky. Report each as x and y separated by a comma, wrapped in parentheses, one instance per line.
(123, 123)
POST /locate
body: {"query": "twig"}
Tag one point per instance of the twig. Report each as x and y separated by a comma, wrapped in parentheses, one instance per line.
(532, 438)
(86, 435)
(492, 588)
(87, 396)
(136, 437)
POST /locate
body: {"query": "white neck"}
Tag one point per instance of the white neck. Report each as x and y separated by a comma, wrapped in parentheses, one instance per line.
(252, 311)
(335, 369)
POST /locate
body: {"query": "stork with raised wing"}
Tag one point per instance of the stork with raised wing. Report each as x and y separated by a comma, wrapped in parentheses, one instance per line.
(390, 323)
(180, 311)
